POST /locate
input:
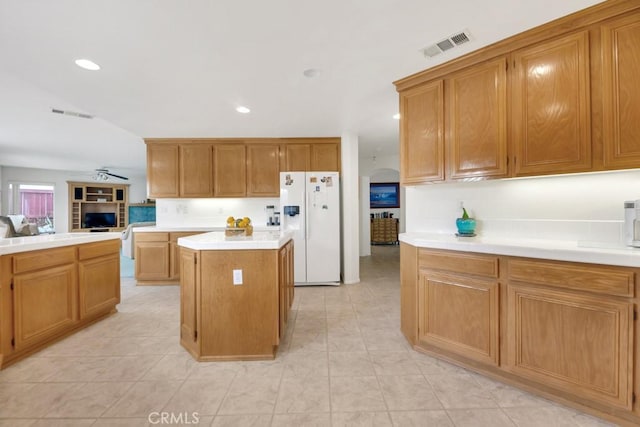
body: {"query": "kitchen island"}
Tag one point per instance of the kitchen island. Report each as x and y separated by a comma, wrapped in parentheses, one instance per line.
(557, 318)
(53, 285)
(235, 294)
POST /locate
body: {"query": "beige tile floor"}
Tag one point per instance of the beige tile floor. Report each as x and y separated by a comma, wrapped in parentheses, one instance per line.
(343, 363)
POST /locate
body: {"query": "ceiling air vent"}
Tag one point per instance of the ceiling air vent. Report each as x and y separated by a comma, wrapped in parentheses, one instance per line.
(71, 113)
(447, 44)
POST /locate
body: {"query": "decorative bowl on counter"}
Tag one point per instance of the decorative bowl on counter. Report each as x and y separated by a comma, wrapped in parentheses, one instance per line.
(238, 227)
(239, 231)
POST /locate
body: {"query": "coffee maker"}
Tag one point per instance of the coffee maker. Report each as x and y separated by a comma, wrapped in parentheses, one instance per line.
(632, 223)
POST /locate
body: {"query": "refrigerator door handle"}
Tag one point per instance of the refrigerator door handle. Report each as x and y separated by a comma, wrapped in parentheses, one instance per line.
(307, 215)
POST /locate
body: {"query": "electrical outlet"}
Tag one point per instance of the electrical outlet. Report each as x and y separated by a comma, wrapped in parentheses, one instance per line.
(237, 277)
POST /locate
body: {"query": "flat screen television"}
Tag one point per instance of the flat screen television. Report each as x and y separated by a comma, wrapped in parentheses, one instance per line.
(384, 195)
(99, 220)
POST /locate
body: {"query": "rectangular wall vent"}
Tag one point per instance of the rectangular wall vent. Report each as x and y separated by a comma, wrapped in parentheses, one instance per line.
(71, 113)
(447, 44)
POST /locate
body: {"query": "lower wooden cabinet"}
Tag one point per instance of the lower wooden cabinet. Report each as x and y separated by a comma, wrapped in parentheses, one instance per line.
(189, 300)
(152, 260)
(459, 314)
(157, 256)
(286, 285)
(44, 303)
(223, 320)
(98, 285)
(581, 344)
(565, 329)
(47, 294)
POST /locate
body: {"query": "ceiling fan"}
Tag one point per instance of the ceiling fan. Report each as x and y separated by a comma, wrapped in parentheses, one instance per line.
(103, 174)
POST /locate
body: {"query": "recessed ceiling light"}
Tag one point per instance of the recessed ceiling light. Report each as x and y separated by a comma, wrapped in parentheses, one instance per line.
(396, 116)
(311, 73)
(87, 64)
(243, 109)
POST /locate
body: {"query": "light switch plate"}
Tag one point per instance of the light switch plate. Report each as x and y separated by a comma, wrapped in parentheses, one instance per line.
(237, 277)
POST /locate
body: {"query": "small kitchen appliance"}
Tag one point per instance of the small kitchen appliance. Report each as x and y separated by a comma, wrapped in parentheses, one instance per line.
(632, 223)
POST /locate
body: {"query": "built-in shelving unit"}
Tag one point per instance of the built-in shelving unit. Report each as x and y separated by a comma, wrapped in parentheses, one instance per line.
(98, 207)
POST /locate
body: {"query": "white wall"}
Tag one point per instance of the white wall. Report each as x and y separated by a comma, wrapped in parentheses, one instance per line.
(350, 208)
(381, 169)
(584, 207)
(212, 212)
(61, 197)
(365, 228)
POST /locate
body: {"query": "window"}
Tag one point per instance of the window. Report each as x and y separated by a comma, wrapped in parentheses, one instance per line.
(35, 202)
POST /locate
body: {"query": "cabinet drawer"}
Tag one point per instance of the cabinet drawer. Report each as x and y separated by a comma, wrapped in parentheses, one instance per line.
(479, 265)
(583, 277)
(151, 237)
(94, 250)
(38, 260)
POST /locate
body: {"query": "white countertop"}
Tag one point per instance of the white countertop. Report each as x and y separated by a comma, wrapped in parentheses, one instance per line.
(217, 240)
(156, 229)
(47, 241)
(561, 250)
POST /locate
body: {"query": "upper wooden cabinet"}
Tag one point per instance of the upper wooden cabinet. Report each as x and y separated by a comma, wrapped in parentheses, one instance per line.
(551, 107)
(560, 98)
(477, 121)
(196, 170)
(621, 92)
(163, 170)
(422, 134)
(263, 170)
(230, 170)
(233, 168)
(325, 157)
(297, 157)
(313, 156)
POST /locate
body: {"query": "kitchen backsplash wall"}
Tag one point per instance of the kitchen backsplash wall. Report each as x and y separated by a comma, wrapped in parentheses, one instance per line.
(211, 212)
(583, 207)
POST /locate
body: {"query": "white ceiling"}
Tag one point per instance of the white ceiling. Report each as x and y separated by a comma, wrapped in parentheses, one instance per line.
(173, 68)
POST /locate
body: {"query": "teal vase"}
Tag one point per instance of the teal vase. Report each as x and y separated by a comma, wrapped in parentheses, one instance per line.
(466, 226)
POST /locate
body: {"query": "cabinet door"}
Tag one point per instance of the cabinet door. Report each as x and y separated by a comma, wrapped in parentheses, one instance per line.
(162, 170)
(325, 157)
(421, 134)
(283, 291)
(459, 314)
(98, 285)
(53, 292)
(290, 276)
(189, 300)
(621, 109)
(409, 291)
(576, 343)
(230, 170)
(551, 107)
(297, 158)
(477, 126)
(152, 260)
(174, 253)
(196, 170)
(263, 170)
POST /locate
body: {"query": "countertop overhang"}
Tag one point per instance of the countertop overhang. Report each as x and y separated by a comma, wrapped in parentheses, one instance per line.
(217, 240)
(47, 241)
(560, 250)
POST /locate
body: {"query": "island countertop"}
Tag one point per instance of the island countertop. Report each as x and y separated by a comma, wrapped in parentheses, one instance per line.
(46, 241)
(217, 240)
(560, 250)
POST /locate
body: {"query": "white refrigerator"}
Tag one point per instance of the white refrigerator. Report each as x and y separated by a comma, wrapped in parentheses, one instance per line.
(310, 207)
